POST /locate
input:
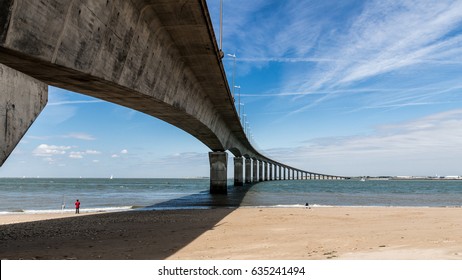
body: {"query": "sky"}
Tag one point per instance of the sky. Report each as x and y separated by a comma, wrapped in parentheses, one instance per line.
(350, 88)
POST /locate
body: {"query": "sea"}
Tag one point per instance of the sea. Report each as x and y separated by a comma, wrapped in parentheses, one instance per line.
(55, 195)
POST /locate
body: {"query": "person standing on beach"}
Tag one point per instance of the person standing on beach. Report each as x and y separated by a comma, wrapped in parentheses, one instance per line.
(77, 206)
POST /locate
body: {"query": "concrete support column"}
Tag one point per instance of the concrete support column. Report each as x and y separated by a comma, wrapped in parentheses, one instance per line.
(266, 171)
(298, 175)
(271, 172)
(238, 171)
(280, 173)
(248, 171)
(255, 170)
(260, 171)
(218, 172)
(285, 173)
(22, 98)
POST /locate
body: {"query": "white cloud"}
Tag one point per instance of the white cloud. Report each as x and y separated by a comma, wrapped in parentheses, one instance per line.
(80, 136)
(426, 145)
(45, 150)
(385, 37)
(115, 156)
(79, 154)
(76, 155)
(49, 160)
(48, 151)
(336, 46)
(124, 151)
(92, 152)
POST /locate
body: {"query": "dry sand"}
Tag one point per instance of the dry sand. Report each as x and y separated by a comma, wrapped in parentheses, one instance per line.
(243, 233)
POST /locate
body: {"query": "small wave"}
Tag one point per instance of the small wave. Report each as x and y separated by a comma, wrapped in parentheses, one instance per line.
(290, 206)
(82, 210)
(151, 208)
(16, 211)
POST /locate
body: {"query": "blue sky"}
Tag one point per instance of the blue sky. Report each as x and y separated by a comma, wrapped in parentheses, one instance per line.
(338, 87)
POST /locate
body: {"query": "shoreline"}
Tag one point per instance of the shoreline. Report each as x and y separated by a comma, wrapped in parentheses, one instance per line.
(39, 215)
(318, 233)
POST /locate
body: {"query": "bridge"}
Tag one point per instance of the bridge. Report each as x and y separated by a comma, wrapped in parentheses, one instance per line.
(157, 57)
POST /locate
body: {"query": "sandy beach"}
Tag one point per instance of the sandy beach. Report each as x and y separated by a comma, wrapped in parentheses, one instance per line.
(243, 233)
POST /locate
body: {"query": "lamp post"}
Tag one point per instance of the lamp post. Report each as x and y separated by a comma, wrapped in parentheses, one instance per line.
(239, 100)
(234, 69)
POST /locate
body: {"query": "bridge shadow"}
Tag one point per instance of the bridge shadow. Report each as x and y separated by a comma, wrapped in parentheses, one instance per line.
(153, 232)
(204, 199)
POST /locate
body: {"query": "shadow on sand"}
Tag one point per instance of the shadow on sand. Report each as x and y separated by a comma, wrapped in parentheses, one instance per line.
(145, 234)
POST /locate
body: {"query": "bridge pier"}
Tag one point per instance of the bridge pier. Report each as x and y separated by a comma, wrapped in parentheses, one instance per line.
(255, 170)
(248, 171)
(266, 171)
(238, 171)
(271, 172)
(22, 98)
(218, 172)
(260, 171)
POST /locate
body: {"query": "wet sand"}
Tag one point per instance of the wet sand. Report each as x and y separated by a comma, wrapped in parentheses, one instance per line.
(243, 233)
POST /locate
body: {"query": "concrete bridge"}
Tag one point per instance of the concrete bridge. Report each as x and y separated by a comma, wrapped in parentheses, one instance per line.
(158, 57)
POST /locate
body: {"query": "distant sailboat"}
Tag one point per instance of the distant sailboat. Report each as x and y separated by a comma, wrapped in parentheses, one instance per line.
(363, 179)
(111, 177)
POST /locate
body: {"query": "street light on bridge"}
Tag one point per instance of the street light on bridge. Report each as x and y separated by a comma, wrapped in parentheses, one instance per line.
(234, 69)
(239, 100)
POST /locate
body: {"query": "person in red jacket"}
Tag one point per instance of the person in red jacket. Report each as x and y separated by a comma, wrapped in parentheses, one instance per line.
(77, 206)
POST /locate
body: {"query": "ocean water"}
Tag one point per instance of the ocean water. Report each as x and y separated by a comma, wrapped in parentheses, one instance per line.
(58, 195)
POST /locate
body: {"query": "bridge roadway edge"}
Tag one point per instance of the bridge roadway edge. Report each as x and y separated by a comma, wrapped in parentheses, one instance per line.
(158, 58)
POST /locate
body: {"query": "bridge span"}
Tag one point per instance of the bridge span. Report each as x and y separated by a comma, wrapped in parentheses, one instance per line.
(157, 57)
